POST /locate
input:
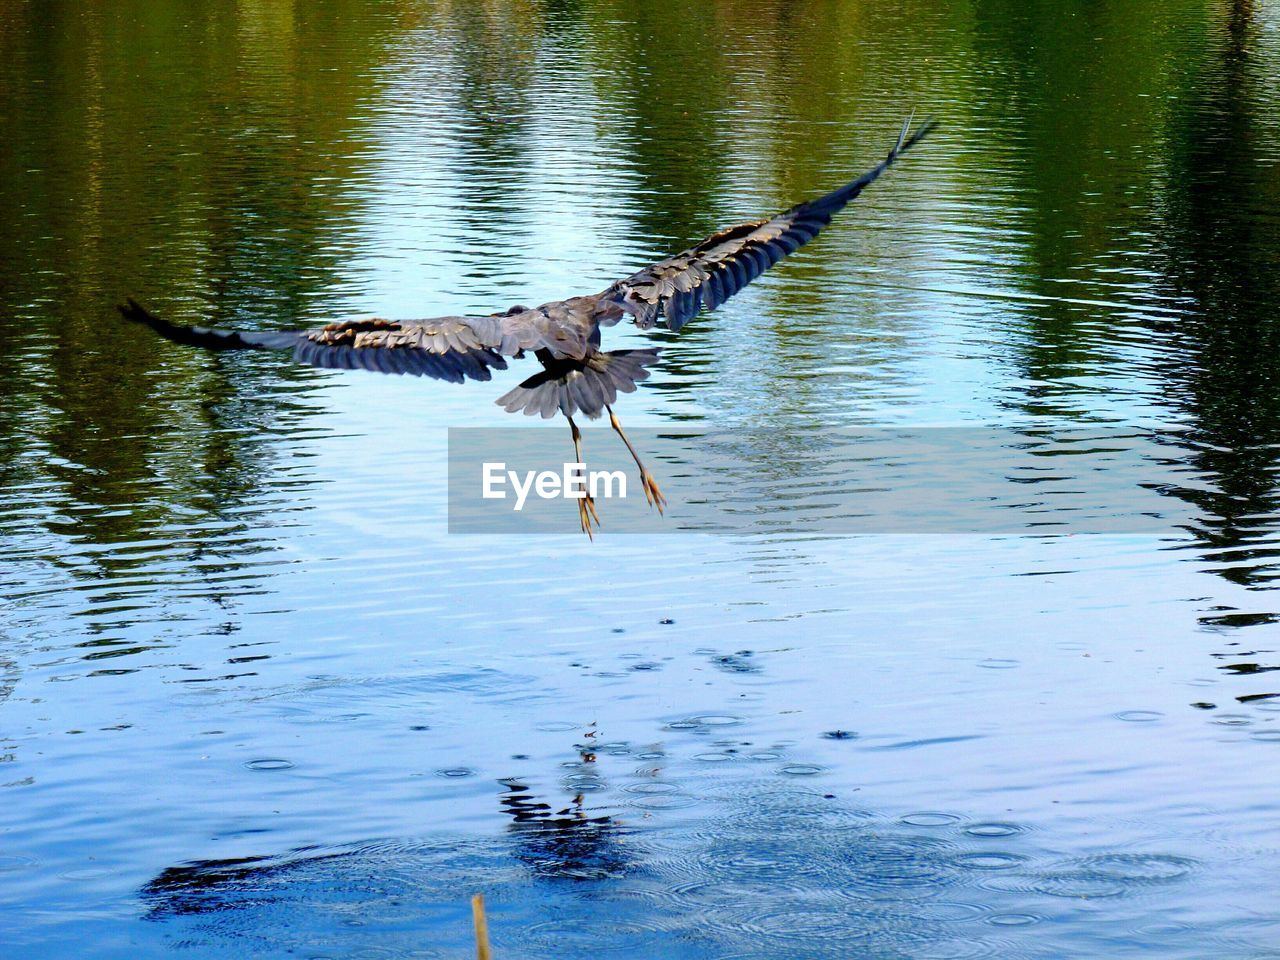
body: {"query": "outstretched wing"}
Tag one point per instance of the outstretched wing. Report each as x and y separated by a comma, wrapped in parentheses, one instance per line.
(705, 276)
(446, 348)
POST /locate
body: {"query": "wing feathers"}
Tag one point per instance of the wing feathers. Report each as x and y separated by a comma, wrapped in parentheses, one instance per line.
(713, 271)
(672, 291)
(449, 348)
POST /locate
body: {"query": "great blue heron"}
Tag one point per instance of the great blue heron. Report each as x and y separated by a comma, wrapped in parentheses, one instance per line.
(576, 375)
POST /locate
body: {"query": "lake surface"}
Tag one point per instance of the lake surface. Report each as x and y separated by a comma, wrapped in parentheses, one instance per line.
(257, 700)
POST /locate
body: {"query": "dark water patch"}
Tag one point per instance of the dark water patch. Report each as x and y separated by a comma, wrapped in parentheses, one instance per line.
(1247, 669)
(573, 842)
(1237, 620)
(740, 662)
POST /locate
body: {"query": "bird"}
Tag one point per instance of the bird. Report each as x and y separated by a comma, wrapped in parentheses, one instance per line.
(576, 375)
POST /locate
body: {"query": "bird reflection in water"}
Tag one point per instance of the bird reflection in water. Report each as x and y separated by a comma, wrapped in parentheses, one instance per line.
(569, 843)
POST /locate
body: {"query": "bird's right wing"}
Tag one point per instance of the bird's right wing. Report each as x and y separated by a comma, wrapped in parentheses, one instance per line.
(672, 291)
(446, 348)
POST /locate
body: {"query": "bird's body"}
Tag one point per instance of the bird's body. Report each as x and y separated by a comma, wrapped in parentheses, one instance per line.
(564, 335)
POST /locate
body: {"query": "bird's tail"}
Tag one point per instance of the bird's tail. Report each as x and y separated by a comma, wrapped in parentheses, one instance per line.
(586, 386)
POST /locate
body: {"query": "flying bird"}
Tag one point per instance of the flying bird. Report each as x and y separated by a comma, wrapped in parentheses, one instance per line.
(564, 336)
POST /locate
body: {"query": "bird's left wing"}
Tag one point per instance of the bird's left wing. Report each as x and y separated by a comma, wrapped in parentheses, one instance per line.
(672, 291)
(446, 348)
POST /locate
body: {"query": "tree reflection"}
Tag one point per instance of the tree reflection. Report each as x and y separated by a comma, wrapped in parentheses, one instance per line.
(215, 160)
(1220, 239)
(201, 157)
(1147, 226)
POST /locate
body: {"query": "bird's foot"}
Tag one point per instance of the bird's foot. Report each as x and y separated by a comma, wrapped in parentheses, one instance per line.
(587, 515)
(652, 493)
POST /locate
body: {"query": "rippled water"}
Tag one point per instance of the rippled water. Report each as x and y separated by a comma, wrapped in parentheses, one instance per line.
(255, 700)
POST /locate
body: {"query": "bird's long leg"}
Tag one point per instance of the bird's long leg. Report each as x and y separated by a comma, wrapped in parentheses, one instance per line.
(586, 506)
(651, 491)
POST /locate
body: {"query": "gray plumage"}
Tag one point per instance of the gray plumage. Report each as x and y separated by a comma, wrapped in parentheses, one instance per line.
(577, 377)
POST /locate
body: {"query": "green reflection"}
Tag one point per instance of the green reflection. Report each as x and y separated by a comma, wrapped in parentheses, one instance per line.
(1104, 180)
(202, 156)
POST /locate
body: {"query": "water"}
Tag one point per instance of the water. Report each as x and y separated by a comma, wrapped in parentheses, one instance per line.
(255, 700)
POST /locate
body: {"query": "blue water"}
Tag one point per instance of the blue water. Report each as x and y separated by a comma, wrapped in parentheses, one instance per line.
(256, 700)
